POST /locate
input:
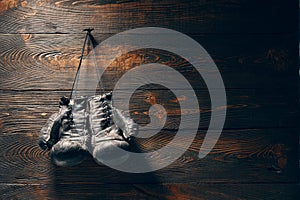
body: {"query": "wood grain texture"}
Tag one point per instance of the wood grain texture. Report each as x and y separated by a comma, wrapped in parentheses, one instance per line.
(24, 112)
(49, 62)
(255, 156)
(222, 16)
(255, 46)
(151, 191)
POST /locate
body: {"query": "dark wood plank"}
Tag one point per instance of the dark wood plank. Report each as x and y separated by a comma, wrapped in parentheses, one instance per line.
(26, 112)
(150, 191)
(49, 62)
(255, 156)
(221, 16)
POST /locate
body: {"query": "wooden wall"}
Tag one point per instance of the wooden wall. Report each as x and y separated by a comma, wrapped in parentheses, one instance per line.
(255, 46)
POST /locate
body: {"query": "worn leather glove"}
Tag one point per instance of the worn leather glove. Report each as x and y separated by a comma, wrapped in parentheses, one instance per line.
(109, 130)
(65, 137)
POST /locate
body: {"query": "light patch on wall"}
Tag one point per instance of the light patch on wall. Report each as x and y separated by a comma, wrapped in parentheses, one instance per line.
(8, 4)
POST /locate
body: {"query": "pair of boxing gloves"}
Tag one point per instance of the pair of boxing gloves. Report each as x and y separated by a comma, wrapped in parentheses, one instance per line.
(87, 125)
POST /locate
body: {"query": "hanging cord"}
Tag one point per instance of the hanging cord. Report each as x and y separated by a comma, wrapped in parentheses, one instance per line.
(88, 32)
(95, 64)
